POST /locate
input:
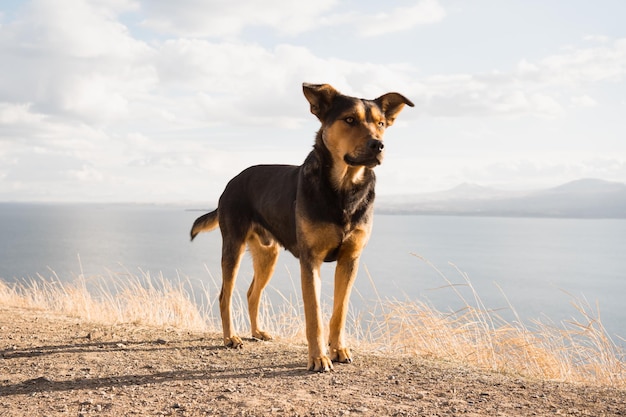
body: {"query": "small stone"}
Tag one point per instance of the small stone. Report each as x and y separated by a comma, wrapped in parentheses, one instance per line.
(40, 380)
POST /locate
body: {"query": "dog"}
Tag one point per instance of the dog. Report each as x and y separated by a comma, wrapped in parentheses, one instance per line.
(320, 211)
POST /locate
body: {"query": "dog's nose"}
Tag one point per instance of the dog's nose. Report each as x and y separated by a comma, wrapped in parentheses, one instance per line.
(376, 145)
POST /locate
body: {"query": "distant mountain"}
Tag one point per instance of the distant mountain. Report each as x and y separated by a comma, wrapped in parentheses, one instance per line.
(588, 186)
(585, 198)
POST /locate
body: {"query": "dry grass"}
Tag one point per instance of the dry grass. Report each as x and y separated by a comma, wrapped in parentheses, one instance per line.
(116, 298)
(575, 351)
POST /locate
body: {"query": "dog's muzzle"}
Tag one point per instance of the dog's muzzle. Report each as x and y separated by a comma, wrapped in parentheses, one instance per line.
(370, 156)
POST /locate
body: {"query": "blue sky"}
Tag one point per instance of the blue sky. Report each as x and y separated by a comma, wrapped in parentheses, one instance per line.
(161, 101)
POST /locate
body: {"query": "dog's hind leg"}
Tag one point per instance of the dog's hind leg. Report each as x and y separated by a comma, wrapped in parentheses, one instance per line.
(264, 255)
(232, 252)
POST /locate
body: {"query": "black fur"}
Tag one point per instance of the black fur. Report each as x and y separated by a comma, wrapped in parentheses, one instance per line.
(266, 195)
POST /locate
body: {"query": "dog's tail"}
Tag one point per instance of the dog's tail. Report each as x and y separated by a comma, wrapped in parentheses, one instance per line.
(204, 223)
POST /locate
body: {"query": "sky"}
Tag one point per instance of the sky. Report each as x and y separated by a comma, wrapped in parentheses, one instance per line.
(163, 101)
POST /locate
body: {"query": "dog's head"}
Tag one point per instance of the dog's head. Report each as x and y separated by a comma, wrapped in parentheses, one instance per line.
(353, 128)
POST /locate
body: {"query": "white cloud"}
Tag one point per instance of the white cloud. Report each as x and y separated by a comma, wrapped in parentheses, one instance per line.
(18, 114)
(577, 66)
(482, 96)
(194, 81)
(532, 88)
(73, 57)
(597, 38)
(400, 18)
(87, 107)
(583, 101)
(213, 18)
(190, 18)
(252, 85)
(77, 28)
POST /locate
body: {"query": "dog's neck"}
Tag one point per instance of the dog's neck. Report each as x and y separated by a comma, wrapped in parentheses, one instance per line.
(343, 177)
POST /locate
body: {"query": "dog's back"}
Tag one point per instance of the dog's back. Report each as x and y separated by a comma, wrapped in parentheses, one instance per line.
(261, 196)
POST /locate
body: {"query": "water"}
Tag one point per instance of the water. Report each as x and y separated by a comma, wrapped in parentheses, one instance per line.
(535, 262)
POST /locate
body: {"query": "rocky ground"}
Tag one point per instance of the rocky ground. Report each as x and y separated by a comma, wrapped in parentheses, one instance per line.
(56, 365)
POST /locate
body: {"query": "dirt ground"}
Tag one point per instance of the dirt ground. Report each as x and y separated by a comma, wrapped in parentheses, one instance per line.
(56, 365)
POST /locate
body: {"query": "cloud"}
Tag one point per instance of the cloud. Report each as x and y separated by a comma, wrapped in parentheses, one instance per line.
(74, 58)
(18, 114)
(597, 38)
(466, 95)
(530, 89)
(76, 28)
(583, 101)
(398, 19)
(88, 108)
(578, 66)
(250, 85)
(213, 18)
(85, 64)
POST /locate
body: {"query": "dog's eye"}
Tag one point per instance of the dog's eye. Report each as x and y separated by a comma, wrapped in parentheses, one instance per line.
(349, 120)
(381, 124)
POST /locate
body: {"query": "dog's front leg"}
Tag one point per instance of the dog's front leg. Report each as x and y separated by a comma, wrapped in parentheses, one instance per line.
(311, 283)
(345, 273)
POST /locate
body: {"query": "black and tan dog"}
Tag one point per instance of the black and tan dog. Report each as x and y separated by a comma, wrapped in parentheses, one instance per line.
(321, 211)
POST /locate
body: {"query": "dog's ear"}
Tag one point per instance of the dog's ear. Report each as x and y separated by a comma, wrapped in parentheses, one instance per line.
(320, 96)
(391, 104)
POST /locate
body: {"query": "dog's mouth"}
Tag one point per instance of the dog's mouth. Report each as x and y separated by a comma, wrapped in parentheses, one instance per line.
(369, 161)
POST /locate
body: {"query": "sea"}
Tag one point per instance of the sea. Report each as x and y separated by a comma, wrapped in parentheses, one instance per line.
(528, 269)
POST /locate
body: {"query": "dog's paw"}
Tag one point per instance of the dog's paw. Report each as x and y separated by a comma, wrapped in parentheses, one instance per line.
(261, 335)
(320, 364)
(341, 355)
(234, 342)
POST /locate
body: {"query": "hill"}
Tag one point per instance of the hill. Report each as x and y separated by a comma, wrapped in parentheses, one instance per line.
(586, 198)
(52, 364)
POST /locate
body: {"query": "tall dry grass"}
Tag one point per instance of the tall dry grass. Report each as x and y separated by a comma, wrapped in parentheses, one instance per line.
(120, 297)
(576, 351)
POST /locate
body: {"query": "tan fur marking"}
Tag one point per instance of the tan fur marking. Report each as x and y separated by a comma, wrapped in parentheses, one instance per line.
(319, 238)
(343, 138)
